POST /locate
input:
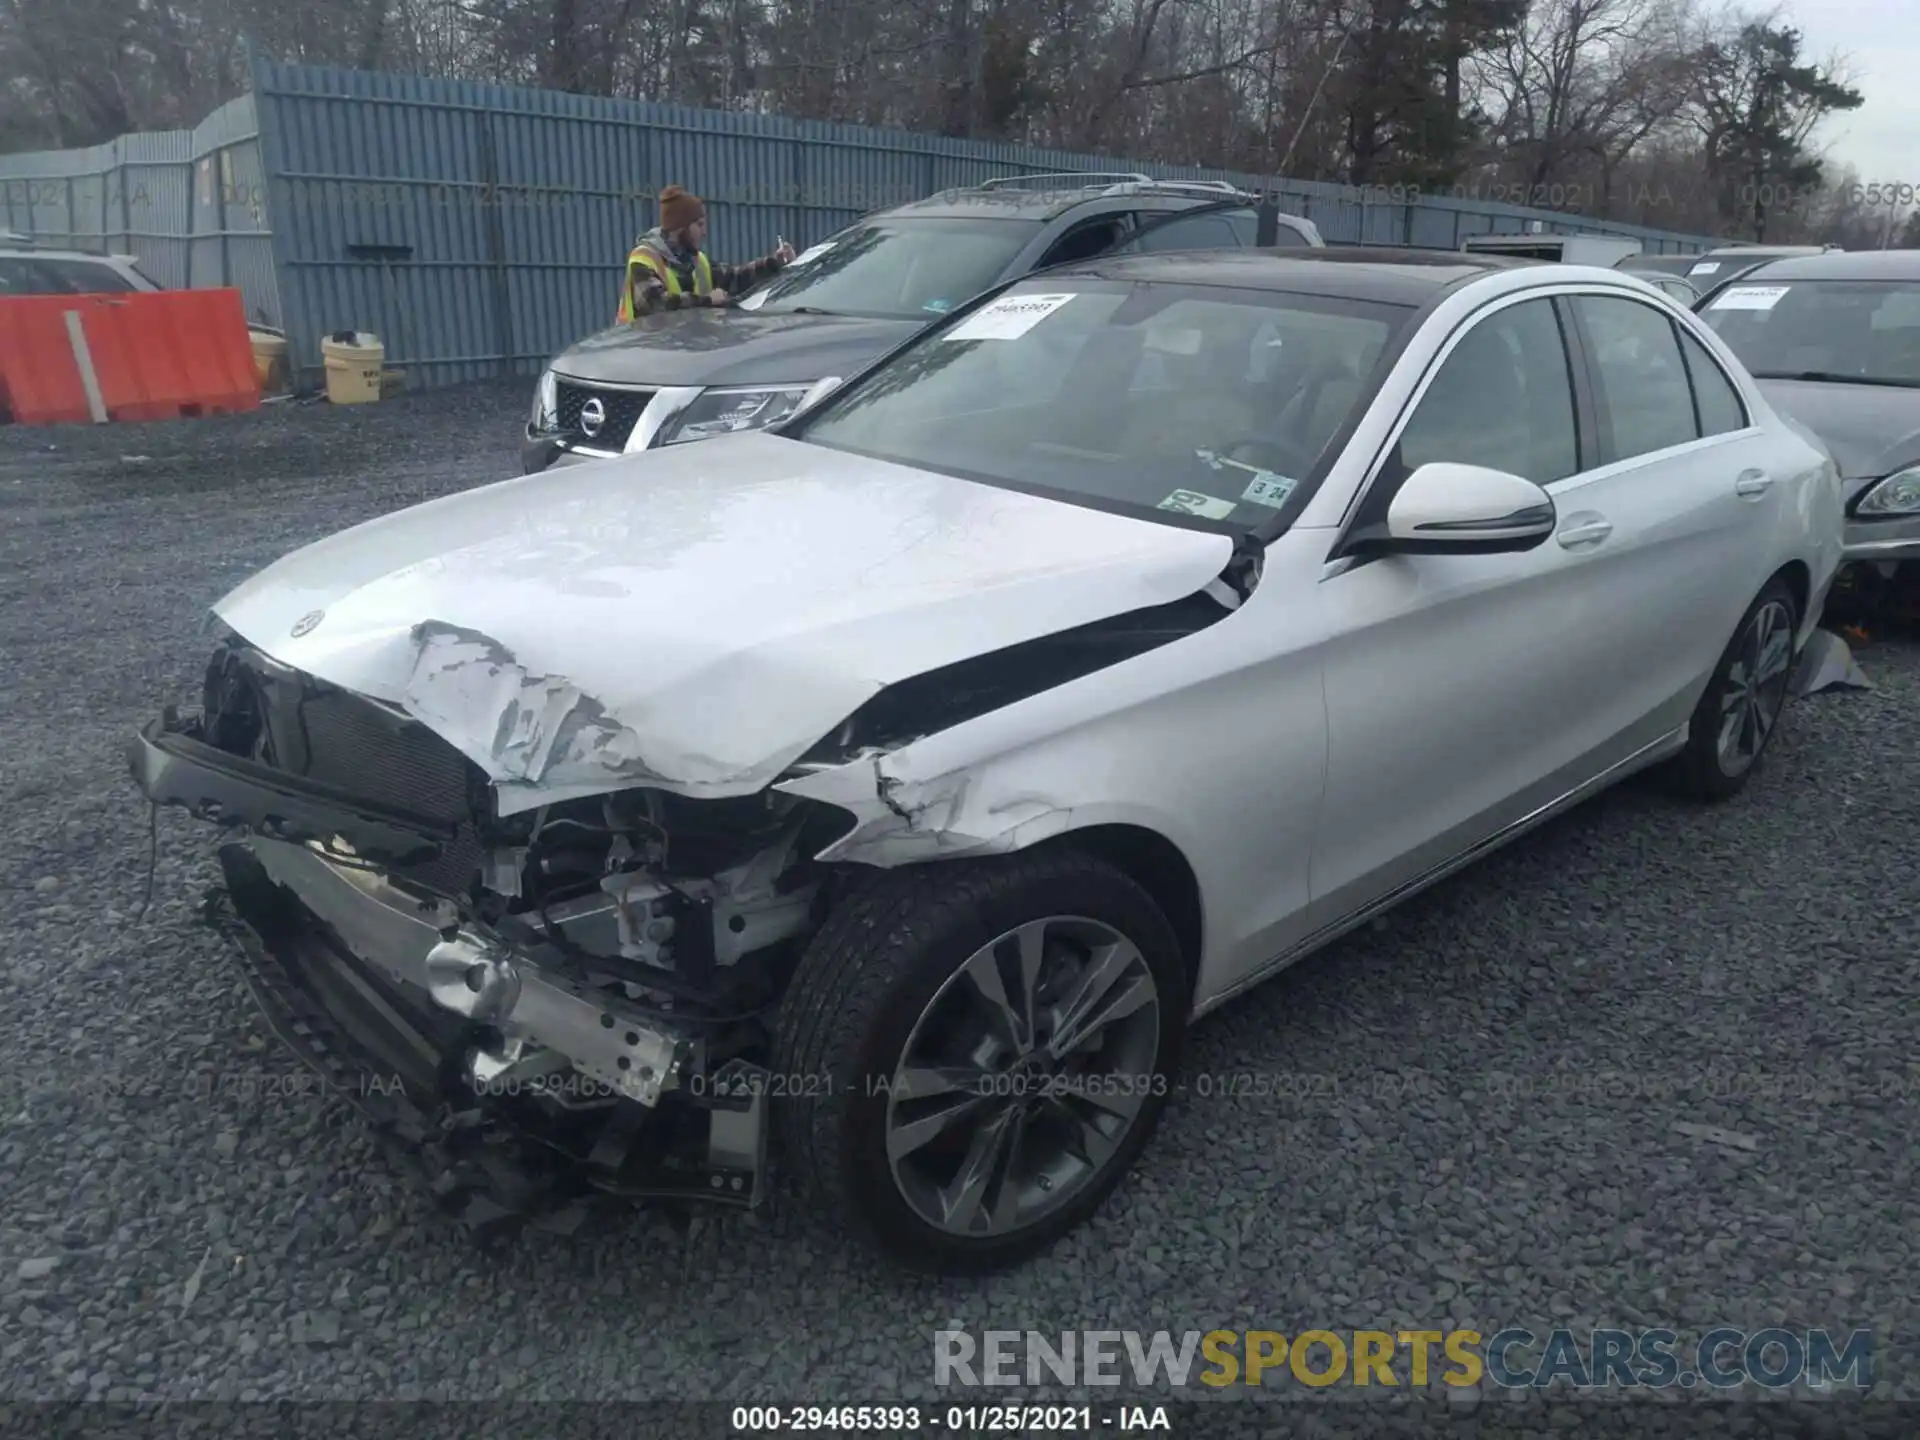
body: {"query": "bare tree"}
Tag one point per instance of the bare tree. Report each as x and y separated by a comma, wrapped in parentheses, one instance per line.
(1640, 110)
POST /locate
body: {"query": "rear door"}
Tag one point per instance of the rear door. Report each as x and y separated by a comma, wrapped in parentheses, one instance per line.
(1685, 499)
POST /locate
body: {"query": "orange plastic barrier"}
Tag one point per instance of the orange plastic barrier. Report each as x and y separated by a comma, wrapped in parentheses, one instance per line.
(39, 382)
(155, 355)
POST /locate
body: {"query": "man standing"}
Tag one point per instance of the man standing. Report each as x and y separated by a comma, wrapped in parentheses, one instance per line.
(667, 270)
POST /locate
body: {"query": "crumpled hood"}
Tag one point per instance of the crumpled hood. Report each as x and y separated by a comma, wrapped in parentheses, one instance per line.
(1872, 430)
(694, 618)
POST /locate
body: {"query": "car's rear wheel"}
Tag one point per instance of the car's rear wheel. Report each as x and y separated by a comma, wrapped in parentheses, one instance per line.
(1740, 711)
(972, 1054)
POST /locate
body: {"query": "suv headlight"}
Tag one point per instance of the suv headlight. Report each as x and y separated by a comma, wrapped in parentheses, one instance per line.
(1898, 494)
(546, 405)
(724, 411)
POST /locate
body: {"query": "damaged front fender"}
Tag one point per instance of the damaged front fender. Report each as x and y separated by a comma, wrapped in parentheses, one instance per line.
(900, 821)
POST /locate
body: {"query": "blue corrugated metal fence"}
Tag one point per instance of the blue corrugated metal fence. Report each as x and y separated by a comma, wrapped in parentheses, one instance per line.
(188, 205)
(479, 229)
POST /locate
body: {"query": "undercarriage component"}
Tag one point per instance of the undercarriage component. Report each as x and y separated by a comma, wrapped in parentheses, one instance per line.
(537, 1011)
(502, 1132)
(422, 945)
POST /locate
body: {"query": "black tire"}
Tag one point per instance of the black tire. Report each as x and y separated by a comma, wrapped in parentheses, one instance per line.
(864, 982)
(1699, 772)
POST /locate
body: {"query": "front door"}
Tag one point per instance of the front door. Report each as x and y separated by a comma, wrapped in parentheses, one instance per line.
(1459, 687)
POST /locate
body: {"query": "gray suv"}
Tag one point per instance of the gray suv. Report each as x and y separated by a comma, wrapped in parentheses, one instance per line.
(842, 304)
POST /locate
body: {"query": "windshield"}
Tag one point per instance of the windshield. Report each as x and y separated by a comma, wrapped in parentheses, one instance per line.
(1192, 399)
(1864, 331)
(902, 267)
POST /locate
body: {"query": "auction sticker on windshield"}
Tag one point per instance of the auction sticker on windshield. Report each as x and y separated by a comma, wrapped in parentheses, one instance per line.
(1192, 502)
(1705, 267)
(1007, 318)
(1750, 297)
(1269, 489)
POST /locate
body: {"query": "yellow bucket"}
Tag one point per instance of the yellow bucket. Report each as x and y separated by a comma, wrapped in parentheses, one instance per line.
(354, 361)
(269, 361)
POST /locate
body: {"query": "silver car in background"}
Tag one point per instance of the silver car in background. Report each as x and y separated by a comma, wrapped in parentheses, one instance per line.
(1834, 342)
(881, 795)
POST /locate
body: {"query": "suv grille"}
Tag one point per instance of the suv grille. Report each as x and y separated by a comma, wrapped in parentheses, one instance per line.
(623, 409)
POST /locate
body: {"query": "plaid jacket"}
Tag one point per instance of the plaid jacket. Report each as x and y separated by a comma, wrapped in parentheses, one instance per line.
(648, 293)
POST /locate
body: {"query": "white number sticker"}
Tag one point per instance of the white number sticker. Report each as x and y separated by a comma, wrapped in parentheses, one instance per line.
(1192, 502)
(1270, 490)
(1750, 297)
(1007, 318)
(1705, 267)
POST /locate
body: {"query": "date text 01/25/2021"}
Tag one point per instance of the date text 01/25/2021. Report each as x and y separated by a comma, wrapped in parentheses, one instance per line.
(953, 1420)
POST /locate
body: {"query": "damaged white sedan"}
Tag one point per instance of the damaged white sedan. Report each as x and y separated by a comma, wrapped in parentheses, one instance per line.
(877, 800)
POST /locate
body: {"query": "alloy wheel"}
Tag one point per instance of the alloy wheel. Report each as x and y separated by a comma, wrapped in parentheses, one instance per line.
(1756, 687)
(1023, 1076)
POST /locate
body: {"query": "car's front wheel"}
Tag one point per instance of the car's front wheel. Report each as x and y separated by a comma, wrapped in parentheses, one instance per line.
(1736, 717)
(972, 1054)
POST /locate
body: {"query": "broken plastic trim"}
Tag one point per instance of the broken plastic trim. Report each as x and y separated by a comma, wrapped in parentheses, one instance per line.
(940, 699)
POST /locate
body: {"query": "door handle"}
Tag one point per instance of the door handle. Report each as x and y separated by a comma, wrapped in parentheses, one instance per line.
(1588, 529)
(1752, 483)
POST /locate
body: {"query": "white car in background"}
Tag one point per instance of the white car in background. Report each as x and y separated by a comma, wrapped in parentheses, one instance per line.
(879, 796)
(26, 270)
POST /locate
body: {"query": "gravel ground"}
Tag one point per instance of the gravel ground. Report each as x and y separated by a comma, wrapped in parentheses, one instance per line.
(1489, 1118)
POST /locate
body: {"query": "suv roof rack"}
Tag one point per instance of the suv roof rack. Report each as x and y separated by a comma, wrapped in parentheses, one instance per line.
(1084, 179)
(1181, 187)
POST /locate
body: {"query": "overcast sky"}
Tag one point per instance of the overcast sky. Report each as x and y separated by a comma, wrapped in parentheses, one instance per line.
(1882, 41)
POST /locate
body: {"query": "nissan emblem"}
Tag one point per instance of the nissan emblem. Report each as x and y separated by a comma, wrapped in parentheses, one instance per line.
(592, 416)
(306, 623)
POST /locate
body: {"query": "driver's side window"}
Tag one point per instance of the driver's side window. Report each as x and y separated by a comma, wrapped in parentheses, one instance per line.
(1503, 399)
(1085, 240)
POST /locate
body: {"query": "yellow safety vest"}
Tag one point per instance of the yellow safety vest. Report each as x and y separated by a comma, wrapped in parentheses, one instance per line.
(652, 259)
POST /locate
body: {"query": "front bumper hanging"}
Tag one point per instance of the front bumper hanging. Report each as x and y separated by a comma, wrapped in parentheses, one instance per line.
(522, 1093)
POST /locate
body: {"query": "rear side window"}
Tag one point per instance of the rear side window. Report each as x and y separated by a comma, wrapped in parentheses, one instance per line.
(42, 275)
(1645, 401)
(78, 277)
(1719, 404)
(20, 276)
(1197, 232)
(1285, 234)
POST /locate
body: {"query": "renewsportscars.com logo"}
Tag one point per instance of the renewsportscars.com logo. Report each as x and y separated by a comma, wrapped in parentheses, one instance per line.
(1719, 1359)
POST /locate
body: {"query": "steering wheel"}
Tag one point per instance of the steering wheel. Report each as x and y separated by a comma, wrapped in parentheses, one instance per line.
(1283, 457)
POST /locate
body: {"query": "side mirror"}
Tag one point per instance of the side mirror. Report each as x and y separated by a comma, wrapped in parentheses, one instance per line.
(1444, 508)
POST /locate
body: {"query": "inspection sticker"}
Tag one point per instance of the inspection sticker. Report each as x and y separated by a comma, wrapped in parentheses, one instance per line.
(1705, 267)
(1007, 318)
(1750, 297)
(1269, 489)
(1192, 502)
